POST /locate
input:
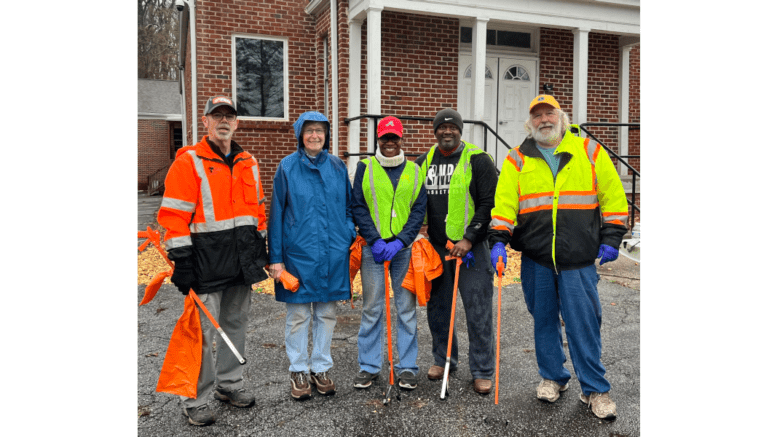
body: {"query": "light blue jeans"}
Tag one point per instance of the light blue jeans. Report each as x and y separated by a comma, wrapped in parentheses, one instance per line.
(298, 317)
(371, 331)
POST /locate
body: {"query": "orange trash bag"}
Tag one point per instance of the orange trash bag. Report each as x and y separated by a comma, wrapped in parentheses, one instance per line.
(289, 281)
(355, 260)
(425, 265)
(183, 359)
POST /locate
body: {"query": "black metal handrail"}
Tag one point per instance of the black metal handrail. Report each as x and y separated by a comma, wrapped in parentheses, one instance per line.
(375, 119)
(634, 172)
(156, 180)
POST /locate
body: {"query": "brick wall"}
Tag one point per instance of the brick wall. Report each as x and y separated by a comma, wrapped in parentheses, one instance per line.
(153, 148)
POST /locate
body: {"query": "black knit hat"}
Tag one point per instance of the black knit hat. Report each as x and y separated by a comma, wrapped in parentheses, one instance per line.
(448, 115)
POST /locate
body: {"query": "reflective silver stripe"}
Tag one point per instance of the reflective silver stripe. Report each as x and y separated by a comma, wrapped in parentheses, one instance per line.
(612, 218)
(246, 220)
(177, 204)
(415, 187)
(374, 196)
(255, 170)
(262, 200)
(496, 222)
(535, 202)
(178, 242)
(518, 161)
(578, 200)
(196, 228)
(466, 195)
(590, 149)
(205, 193)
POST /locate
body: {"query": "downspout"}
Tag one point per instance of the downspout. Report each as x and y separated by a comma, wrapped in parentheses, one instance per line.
(192, 35)
(183, 21)
(335, 100)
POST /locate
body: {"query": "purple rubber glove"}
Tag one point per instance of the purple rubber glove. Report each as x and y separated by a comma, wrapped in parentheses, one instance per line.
(392, 249)
(377, 251)
(607, 253)
(497, 251)
(468, 259)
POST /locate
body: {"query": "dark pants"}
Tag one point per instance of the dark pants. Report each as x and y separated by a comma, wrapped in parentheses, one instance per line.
(476, 289)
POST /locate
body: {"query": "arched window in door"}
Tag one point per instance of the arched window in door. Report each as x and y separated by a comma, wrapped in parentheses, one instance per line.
(468, 72)
(516, 72)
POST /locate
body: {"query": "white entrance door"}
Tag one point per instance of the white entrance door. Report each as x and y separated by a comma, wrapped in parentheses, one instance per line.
(506, 103)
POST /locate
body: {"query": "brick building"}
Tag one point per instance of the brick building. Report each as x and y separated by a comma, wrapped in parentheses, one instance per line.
(159, 127)
(277, 59)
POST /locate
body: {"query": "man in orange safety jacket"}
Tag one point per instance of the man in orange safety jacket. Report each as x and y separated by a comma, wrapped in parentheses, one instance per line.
(214, 216)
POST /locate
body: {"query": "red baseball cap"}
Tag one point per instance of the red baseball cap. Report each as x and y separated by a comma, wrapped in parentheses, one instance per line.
(390, 125)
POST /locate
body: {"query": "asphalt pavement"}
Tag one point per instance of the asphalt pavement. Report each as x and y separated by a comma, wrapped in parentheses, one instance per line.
(420, 412)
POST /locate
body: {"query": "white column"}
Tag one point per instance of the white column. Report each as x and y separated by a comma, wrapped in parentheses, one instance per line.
(334, 141)
(478, 79)
(623, 108)
(373, 69)
(354, 90)
(580, 77)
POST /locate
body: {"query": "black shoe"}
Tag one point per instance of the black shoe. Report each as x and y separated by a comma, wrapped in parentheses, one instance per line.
(200, 416)
(364, 379)
(407, 380)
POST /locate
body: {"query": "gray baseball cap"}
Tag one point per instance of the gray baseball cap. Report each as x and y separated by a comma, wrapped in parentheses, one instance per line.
(217, 101)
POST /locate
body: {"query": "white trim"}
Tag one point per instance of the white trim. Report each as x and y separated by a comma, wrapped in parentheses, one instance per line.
(373, 69)
(150, 116)
(285, 41)
(534, 48)
(354, 91)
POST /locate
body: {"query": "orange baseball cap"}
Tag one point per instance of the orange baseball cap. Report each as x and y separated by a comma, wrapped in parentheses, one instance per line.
(546, 99)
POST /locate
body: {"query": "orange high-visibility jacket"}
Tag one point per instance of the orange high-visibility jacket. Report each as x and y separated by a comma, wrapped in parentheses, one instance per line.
(215, 215)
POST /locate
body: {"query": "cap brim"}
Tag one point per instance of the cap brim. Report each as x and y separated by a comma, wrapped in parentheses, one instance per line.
(391, 131)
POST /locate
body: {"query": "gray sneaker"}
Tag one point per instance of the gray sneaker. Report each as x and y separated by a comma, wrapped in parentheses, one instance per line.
(407, 380)
(238, 398)
(364, 379)
(200, 416)
(300, 388)
(549, 391)
(600, 404)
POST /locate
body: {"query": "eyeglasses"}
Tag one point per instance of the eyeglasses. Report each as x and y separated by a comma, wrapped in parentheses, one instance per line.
(314, 131)
(390, 138)
(218, 116)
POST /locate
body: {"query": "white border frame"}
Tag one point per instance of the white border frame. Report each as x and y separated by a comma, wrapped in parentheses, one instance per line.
(285, 74)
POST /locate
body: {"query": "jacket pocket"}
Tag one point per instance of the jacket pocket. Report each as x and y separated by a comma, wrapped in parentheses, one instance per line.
(249, 187)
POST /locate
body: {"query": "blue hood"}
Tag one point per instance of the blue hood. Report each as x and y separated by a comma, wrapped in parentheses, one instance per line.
(310, 116)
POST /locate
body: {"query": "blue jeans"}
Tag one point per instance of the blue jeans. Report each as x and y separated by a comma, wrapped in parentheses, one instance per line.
(371, 330)
(573, 294)
(298, 317)
(476, 288)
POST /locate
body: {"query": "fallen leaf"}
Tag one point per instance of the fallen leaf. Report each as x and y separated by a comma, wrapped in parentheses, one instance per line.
(612, 303)
(155, 354)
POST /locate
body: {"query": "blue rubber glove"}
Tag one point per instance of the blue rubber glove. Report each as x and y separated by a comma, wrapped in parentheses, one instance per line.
(607, 253)
(377, 251)
(497, 251)
(468, 259)
(392, 249)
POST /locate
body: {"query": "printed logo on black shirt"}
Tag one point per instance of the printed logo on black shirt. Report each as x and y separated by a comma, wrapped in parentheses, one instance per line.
(438, 178)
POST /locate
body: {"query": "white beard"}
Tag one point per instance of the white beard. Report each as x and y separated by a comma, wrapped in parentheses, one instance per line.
(551, 137)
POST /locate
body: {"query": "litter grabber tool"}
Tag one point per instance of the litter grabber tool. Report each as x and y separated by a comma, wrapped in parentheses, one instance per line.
(445, 384)
(500, 267)
(387, 399)
(218, 328)
(154, 238)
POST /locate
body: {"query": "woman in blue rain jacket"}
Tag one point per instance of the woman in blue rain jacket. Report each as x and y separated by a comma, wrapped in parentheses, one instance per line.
(310, 232)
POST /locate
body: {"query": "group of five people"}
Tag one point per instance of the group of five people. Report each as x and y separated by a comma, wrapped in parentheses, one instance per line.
(558, 200)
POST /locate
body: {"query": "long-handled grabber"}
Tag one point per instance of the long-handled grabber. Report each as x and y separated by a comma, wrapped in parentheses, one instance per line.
(388, 334)
(216, 325)
(445, 384)
(500, 266)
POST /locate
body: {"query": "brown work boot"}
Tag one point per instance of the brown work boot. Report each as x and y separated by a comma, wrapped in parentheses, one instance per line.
(601, 405)
(300, 388)
(323, 383)
(436, 372)
(483, 386)
(549, 391)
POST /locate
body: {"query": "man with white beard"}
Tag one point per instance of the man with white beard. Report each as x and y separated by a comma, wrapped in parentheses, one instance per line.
(560, 202)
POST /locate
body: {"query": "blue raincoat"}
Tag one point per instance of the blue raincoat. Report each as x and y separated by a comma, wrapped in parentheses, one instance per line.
(311, 227)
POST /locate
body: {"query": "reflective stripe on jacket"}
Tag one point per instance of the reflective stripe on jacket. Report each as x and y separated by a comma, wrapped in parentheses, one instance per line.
(215, 215)
(560, 224)
(460, 212)
(389, 209)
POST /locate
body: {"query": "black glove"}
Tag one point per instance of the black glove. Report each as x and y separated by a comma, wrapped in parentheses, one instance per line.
(183, 275)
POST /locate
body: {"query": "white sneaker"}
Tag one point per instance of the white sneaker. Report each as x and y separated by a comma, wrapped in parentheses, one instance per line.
(549, 391)
(601, 405)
